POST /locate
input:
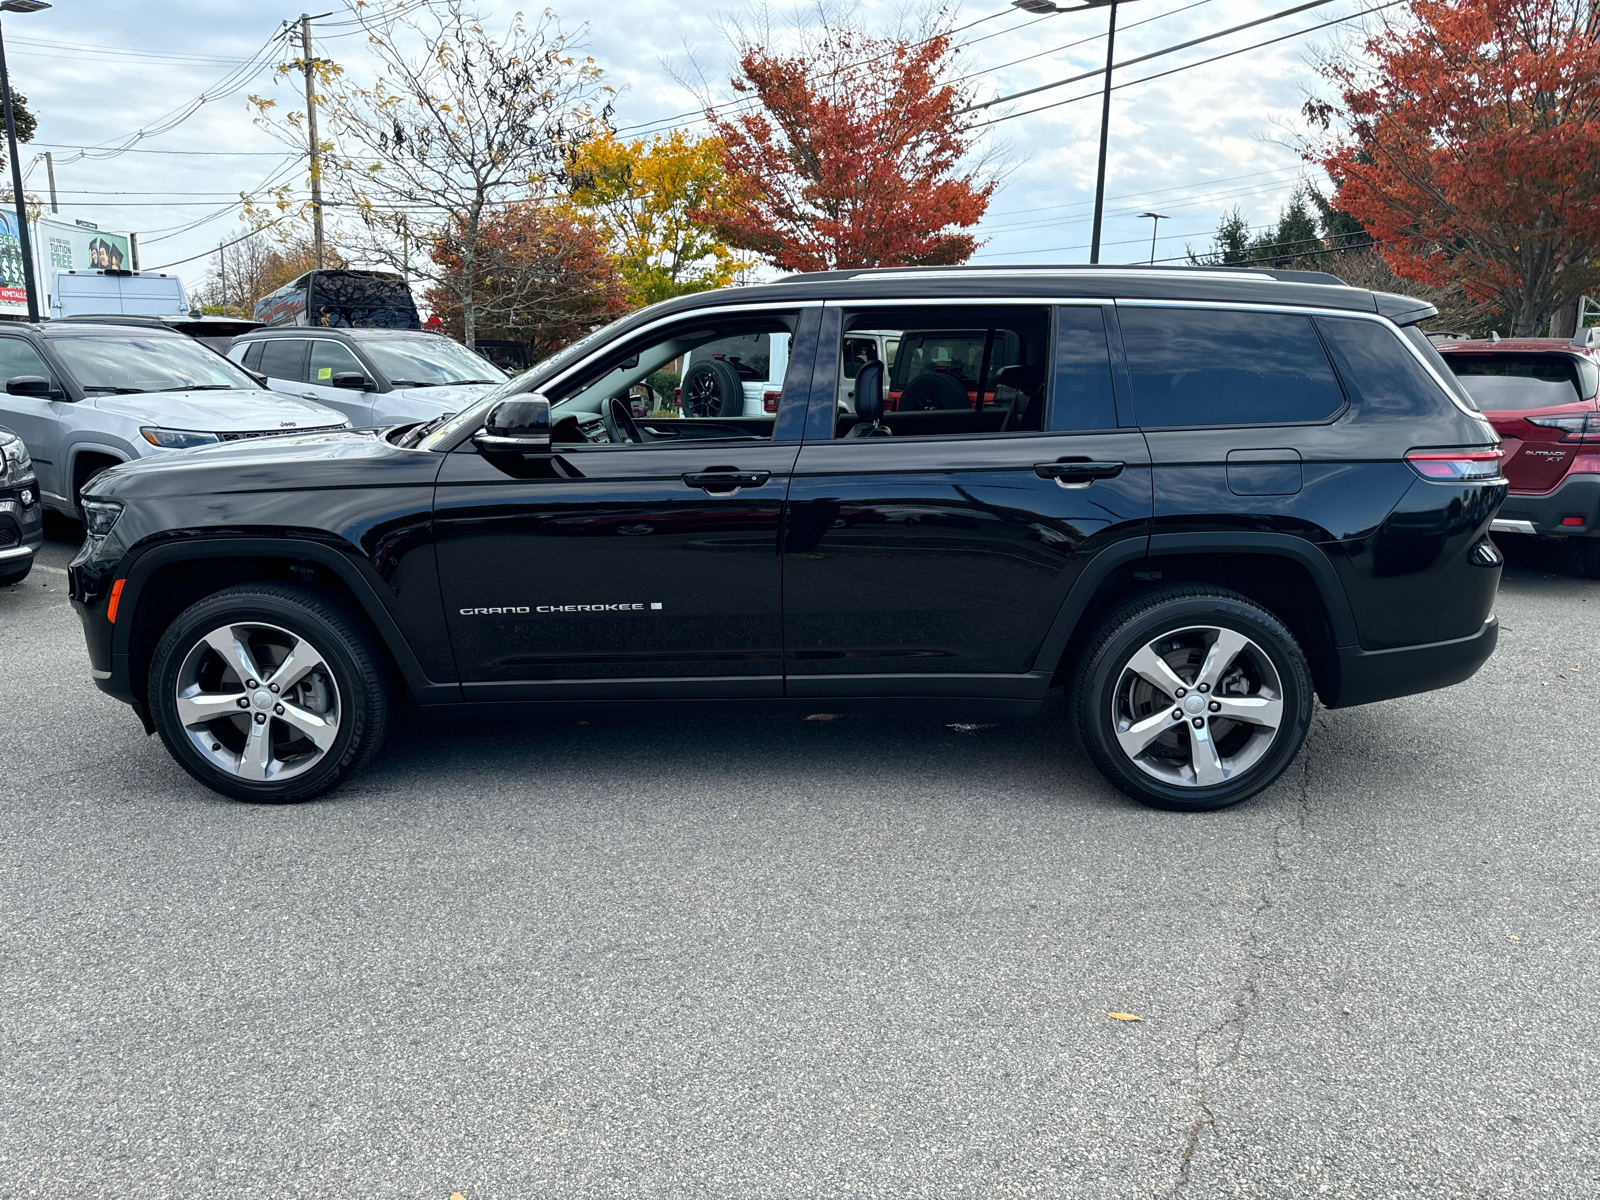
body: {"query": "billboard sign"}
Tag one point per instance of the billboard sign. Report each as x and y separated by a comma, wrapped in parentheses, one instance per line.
(13, 289)
(80, 247)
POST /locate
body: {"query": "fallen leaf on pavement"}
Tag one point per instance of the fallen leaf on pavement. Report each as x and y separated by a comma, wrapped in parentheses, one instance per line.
(1513, 937)
(457, 1196)
(1124, 1017)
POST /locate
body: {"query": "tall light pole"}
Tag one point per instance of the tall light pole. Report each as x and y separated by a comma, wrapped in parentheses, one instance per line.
(1049, 6)
(1155, 224)
(19, 6)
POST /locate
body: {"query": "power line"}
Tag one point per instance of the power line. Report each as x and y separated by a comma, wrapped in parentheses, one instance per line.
(1074, 45)
(1177, 187)
(1190, 66)
(144, 150)
(1210, 37)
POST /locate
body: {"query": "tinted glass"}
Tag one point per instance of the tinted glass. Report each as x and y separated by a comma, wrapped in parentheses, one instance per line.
(858, 352)
(1381, 372)
(19, 358)
(283, 358)
(329, 359)
(1510, 380)
(1215, 367)
(1083, 397)
(361, 298)
(145, 363)
(252, 355)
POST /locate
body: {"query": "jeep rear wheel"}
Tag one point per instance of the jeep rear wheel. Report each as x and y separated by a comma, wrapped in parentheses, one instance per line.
(268, 694)
(1192, 699)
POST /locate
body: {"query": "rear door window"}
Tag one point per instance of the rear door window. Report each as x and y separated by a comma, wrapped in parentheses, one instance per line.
(1196, 367)
(284, 358)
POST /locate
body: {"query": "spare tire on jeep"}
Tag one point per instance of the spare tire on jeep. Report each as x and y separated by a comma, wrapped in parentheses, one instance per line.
(711, 389)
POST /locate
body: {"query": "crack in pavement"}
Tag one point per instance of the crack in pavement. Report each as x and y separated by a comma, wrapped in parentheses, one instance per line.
(1244, 999)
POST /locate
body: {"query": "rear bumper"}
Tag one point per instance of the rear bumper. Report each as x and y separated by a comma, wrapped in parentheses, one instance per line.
(1541, 516)
(1369, 675)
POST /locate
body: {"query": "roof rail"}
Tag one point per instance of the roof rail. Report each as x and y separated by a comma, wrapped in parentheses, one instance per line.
(1282, 276)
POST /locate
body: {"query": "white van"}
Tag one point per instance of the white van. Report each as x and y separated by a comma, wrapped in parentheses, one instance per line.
(111, 291)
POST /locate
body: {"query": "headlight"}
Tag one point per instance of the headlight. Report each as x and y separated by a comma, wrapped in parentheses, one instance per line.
(99, 515)
(176, 439)
(14, 461)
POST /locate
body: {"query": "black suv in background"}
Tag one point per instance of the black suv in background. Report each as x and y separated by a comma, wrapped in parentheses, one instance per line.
(1193, 497)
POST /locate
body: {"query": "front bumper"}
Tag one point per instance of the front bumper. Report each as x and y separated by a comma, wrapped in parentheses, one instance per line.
(1576, 496)
(21, 530)
(1369, 675)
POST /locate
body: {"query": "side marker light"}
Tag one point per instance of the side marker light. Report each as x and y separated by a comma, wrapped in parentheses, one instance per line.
(116, 599)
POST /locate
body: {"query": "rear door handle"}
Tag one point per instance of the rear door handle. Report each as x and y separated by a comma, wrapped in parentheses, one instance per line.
(1077, 474)
(727, 481)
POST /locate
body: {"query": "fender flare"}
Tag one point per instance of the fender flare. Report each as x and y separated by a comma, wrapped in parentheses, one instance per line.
(1310, 555)
(355, 575)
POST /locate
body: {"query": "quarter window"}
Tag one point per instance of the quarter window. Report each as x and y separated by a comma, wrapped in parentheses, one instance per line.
(1192, 367)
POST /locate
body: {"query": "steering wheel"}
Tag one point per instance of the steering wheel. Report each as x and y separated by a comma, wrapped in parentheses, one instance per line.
(620, 425)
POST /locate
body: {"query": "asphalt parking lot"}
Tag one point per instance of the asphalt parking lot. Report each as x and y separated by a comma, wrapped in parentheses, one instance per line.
(751, 956)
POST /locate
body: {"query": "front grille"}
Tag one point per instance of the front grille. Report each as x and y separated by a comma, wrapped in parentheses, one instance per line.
(9, 536)
(257, 433)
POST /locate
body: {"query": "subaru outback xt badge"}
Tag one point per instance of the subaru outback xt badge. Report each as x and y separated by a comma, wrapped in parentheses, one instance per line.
(1194, 498)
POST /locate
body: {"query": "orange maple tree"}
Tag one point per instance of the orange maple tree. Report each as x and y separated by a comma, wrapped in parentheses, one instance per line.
(1472, 149)
(852, 157)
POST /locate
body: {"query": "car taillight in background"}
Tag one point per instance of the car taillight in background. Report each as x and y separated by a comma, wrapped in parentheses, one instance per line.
(769, 401)
(1455, 465)
(1580, 427)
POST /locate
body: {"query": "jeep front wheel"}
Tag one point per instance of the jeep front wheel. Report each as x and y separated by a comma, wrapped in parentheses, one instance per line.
(1192, 698)
(268, 694)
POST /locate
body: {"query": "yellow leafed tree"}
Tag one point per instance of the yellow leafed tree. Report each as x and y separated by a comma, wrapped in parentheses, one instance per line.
(641, 193)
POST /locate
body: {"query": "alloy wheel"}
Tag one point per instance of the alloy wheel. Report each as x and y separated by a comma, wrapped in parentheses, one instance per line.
(257, 701)
(1198, 706)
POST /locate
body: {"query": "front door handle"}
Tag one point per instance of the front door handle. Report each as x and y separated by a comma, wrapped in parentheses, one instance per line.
(1077, 474)
(725, 481)
(309, 396)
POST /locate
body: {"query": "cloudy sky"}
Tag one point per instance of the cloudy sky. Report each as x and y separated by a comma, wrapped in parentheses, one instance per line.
(1190, 145)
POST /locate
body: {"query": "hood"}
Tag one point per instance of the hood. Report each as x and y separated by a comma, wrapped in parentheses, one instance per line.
(448, 398)
(241, 410)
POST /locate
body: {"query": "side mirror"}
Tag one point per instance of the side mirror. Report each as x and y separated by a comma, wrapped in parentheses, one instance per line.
(519, 426)
(29, 385)
(354, 380)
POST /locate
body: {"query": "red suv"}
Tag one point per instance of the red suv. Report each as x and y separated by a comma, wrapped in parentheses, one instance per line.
(1540, 395)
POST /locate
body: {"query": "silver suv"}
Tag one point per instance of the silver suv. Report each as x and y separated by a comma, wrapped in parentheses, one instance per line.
(376, 377)
(84, 397)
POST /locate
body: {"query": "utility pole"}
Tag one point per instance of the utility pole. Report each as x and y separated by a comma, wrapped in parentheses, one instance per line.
(16, 176)
(1105, 132)
(311, 130)
(50, 170)
(222, 274)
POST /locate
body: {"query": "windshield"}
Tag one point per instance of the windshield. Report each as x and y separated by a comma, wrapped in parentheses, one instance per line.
(137, 362)
(429, 361)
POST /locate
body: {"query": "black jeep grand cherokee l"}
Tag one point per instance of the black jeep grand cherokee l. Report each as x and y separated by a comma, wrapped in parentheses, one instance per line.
(1193, 497)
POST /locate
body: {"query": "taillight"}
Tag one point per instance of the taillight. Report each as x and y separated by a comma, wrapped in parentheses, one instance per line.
(769, 401)
(1455, 465)
(1580, 427)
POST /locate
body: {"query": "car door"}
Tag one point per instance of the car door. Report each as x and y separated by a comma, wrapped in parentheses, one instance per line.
(283, 362)
(627, 570)
(330, 357)
(932, 556)
(35, 419)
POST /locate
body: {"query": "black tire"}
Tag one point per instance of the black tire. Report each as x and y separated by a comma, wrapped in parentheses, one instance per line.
(1175, 624)
(351, 672)
(12, 573)
(1591, 557)
(711, 389)
(931, 390)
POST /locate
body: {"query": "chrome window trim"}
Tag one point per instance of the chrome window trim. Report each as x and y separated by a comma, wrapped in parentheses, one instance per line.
(601, 351)
(1314, 311)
